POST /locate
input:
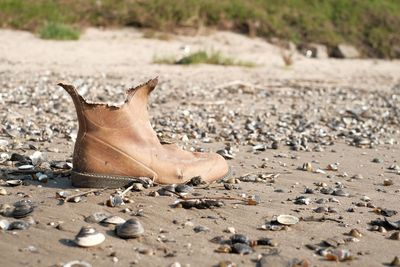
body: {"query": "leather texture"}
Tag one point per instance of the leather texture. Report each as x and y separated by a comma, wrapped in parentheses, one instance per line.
(120, 141)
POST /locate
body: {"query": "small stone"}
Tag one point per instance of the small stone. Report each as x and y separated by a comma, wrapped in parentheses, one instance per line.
(387, 182)
(3, 192)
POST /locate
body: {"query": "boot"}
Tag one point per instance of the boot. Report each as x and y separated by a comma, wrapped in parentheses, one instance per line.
(117, 145)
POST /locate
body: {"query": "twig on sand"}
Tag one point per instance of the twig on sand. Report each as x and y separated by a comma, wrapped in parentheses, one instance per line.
(66, 199)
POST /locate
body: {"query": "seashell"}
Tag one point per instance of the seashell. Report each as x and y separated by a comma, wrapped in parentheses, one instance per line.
(132, 228)
(358, 177)
(387, 182)
(37, 157)
(239, 238)
(287, 219)
(355, 233)
(89, 237)
(333, 242)
(18, 225)
(224, 249)
(339, 255)
(321, 210)
(96, 217)
(77, 263)
(231, 186)
(200, 228)
(340, 193)
(4, 224)
(26, 167)
(333, 167)
(226, 264)
(3, 192)
(308, 167)
(22, 210)
(321, 201)
(43, 178)
(226, 154)
(183, 189)
(167, 190)
(267, 242)
(327, 190)
(5, 210)
(394, 167)
(15, 182)
(113, 220)
(242, 249)
(302, 200)
(395, 236)
(115, 201)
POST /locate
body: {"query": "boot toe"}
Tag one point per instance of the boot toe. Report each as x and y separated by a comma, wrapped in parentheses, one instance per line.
(218, 170)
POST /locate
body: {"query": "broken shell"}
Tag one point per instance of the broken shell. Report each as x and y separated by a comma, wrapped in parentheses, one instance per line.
(287, 219)
(4, 224)
(18, 225)
(132, 228)
(395, 236)
(14, 182)
(96, 217)
(307, 167)
(238, 238)
(89, 237)
(242, 249)
(113, 220)
(355, 233)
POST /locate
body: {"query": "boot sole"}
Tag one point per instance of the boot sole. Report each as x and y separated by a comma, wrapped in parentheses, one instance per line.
(93, 180)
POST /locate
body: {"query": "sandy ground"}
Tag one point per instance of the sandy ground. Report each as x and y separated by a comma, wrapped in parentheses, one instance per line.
(125, 57)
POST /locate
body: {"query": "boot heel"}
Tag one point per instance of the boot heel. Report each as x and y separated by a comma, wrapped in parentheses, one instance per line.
(94, 180)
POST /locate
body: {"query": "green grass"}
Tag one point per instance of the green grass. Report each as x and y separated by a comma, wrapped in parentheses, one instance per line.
(58, 31)
(203, 57)
(371, 25)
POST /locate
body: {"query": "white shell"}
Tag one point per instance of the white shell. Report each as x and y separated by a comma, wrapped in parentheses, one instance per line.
(77, 263)
(113, 220)
(287, 219)
(4, 224)
(26, 167)
(89, 237)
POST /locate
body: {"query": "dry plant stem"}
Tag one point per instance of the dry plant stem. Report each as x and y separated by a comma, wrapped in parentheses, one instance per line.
(211, 198)
(267, 173)
(84, 193)
(126, 191)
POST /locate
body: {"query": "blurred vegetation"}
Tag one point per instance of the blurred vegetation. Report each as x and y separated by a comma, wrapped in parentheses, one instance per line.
(58, 31)
(371, 25)
(204, 57)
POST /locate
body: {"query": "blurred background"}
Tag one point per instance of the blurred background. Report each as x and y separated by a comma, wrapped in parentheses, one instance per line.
(370, 26)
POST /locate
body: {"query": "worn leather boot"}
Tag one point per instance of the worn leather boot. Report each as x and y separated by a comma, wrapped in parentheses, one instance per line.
(117, 145)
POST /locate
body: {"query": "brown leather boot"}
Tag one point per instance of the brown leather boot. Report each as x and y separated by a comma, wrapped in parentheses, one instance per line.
(117, 145)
